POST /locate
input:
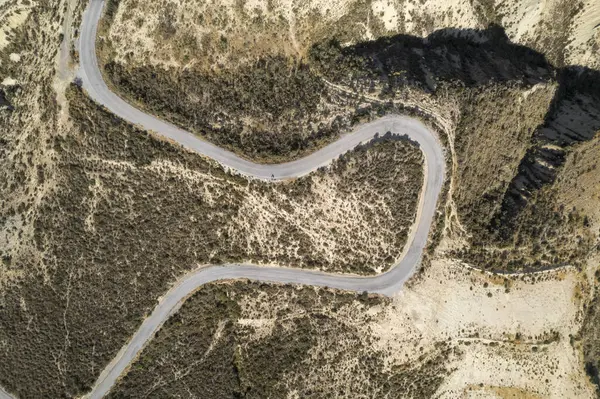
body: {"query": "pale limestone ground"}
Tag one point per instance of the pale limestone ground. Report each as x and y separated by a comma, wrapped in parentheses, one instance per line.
(16, 237)
(525, 20)
(388, 14)
(9, 82)
(524, 16)
(262, 27)
(12, 15)
(515, 342)
(585, 45)
(330, 220)
(452, 302)
(274, 25)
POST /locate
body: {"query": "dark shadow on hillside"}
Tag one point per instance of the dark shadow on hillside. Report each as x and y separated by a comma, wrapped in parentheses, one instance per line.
(468, 56)
(574, 117)
(4, 103)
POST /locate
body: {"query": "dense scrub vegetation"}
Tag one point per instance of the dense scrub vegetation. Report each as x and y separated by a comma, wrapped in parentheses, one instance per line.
(514, 219)
(218, 346)
(546, 235)
(382, 180)
(241, 109)
(27, 168)
(129, 213)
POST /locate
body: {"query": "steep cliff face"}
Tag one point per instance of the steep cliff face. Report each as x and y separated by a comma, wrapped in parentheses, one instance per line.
(573, 117)
(465, 57)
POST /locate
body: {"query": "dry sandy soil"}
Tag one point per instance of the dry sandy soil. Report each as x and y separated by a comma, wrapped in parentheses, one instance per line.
(217, 34)
(504, 327)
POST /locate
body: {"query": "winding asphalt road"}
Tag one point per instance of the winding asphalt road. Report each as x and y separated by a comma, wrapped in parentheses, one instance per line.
(387, 283)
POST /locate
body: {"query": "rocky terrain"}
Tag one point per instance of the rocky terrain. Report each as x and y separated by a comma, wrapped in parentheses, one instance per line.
(312, 343)
(98, 218)
(210, 66)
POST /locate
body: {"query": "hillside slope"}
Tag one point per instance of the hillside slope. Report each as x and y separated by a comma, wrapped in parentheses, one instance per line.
(210, 66)
(98, 218)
